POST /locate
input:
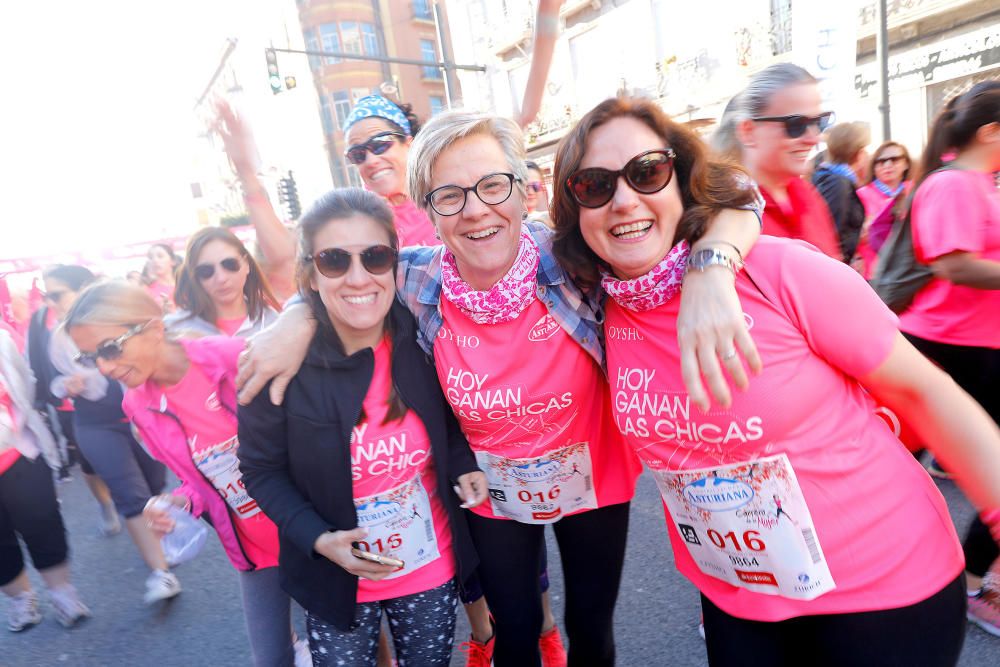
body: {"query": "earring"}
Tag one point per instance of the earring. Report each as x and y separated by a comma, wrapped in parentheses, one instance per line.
(437, 233)
(524, 215)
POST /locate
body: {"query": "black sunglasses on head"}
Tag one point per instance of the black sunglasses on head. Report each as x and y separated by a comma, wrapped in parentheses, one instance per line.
(109, 350)
(206, 271)
(376, 145)
(335, 262)
(796, 124)
(646, 173)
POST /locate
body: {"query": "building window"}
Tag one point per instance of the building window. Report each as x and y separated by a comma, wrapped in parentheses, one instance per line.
(370, 39)
(341, 106)
(437, 105)
(429, 53)
(358, 93)
(350, 36)
(330, 40)
(422, 10)
(312, 44)
(325, 115)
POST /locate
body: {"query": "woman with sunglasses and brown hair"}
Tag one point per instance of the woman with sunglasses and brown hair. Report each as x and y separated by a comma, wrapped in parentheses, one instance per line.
(220, 288)
(181, 397)
(771, 128)
(357, 467)
(517, 347)
(887, 181)
(806, 526)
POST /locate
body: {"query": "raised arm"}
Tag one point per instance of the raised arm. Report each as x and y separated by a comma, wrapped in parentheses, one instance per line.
(546, 34)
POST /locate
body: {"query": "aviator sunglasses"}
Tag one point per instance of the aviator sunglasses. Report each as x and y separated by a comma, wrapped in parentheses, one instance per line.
(206, 271)
(334, 262)
(646, 173)
(109, 350)
(376, 145)
(796, 125)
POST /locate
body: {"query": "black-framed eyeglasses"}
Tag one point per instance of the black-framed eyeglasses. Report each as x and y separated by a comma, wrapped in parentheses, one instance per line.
(109, 350)
(335, 262)
(646, 173)
(796, 124)
(492, 189)
(55, 296)
(889, 159)
(206, 271)
(376, 145)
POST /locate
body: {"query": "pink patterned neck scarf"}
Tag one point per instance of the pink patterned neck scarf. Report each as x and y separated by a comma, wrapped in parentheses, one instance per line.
(653, 289)
(506, 299)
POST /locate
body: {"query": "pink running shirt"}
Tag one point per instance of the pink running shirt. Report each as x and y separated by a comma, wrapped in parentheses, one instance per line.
(231, 325)
(882, 525)
(211, 432)
(412, 225)
(396, 494)
(164, 294)
(955, 210)
(525, 390)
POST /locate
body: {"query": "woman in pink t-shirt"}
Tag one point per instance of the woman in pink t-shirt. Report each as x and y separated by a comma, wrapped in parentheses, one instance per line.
(887, 179)
(811, 532)
(955, 318)
(181, 398)
(161, 274)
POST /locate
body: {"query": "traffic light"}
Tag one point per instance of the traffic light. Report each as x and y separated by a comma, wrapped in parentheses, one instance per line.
(272, 70)
(288, 193)
(290, 82)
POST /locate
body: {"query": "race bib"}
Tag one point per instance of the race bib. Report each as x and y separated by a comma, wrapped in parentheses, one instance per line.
(748, 524)
(220, 465)
(542, 489)
(400, 525)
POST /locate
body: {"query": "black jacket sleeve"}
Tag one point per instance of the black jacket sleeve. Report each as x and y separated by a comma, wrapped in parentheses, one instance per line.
(263, 455)
(845, 207)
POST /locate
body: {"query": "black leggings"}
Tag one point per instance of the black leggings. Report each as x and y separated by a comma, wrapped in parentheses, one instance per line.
(29, 508)
(928, 633)
(592, 550)
(976, 370)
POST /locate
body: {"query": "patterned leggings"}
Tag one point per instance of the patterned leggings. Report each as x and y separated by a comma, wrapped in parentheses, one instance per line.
(422, 626)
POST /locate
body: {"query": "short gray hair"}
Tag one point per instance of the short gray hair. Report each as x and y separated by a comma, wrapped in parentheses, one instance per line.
(753, 100)
(442, 131)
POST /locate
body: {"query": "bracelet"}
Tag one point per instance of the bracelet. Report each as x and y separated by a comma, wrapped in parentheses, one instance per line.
(710, 243)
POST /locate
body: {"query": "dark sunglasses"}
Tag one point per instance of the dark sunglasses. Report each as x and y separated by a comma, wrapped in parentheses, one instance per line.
(892, 159)
(534, 186)
(109, 350)
(54, 296)
(646, 173)
(796, 125)
(334, 262)
(376, 145)
(206, 271)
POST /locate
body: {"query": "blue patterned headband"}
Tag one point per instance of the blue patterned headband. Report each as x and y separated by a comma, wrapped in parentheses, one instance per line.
(376, 106)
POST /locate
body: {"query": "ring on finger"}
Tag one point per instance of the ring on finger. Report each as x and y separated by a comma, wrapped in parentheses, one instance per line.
(729, 355)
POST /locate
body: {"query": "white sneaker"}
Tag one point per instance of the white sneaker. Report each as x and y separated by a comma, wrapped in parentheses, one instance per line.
(303, 658)
(161, 585)
(23, 612)
(66, 602)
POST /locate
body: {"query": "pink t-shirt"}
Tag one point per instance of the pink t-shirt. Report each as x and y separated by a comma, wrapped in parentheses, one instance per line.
(396, 494)
(955, 211)
(882, 525)
(413, 226)
(211, 433)
(533, 405)
(163, 294)
(231, 325)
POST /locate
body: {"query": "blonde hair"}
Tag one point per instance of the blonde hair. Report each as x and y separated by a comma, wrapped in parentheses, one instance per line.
(115, 304)
(445, 129)
(844, 140)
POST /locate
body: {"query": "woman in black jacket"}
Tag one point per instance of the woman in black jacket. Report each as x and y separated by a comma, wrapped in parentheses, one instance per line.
(357, 466)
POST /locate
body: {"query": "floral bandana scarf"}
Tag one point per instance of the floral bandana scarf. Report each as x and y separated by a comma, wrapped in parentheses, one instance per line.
(652, 289)
(506, 299)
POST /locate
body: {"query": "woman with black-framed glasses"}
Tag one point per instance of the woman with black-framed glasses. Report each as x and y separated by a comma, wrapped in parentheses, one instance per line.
(221, 290)
(772, 129)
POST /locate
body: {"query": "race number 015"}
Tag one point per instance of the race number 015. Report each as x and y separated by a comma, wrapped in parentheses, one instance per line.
(526, 496)
(751, 539)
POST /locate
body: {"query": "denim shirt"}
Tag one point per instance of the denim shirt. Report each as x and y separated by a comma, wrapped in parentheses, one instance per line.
(418, 285)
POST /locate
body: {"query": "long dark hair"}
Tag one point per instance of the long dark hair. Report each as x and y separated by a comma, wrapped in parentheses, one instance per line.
(707, 185)
(341, 204)
(191, 296)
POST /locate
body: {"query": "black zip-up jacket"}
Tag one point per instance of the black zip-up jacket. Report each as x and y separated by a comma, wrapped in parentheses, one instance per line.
(296, 463)
(845, 207)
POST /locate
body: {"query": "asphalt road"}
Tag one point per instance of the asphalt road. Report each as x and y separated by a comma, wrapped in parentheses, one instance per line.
(656, 620)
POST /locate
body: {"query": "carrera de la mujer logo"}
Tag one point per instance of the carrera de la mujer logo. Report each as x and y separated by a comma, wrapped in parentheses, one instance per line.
(718, 494)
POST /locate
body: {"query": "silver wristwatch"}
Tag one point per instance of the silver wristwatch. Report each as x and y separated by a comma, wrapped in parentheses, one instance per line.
(699, 260)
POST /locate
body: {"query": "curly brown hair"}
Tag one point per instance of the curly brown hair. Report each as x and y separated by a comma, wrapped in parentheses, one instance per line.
(707, 184)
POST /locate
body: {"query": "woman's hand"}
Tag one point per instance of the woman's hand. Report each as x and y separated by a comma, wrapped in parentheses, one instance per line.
(157, 518)
(275, 353)
(336, 545)
(237, 139)
(73, 385)
(710, 328)
(472, 488)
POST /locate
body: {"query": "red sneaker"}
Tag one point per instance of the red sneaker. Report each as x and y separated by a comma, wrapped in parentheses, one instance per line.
(479, 654)
(550, 645)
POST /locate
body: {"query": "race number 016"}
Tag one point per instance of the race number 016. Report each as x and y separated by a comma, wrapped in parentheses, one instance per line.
(526, 496)
(751, 539)
(393, 542)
